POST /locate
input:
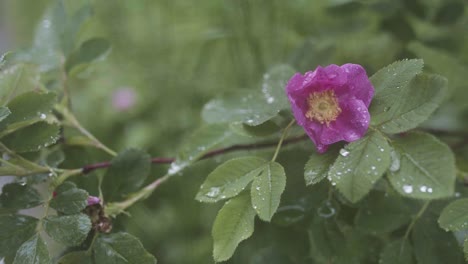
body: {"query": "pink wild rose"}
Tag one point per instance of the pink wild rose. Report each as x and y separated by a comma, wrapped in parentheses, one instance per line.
(331, 103)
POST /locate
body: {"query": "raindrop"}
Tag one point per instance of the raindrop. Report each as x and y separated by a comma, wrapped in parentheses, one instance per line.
(457, 194)
(386, 109)
(214, 192)
(423, 188)
(326, 210)
(407, 188)
(6, 157)
(257, 188)
(270, 100)
(373, 167)
(429, 190)
(344, 152)
(395, 165)
(42, 116)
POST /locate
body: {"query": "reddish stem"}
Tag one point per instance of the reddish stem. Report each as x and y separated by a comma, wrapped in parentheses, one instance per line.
(162, 160)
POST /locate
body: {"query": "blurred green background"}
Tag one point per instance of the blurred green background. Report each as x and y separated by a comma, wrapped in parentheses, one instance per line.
(173, 56)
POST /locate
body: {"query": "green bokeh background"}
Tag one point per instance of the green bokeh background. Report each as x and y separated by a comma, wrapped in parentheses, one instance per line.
(177, 55)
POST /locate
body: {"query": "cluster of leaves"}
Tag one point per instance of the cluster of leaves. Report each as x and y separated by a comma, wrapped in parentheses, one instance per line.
(32, 123)
(366, 201)
(415, 164)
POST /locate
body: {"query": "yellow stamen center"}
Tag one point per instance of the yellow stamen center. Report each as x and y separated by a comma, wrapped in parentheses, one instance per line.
(323, 107)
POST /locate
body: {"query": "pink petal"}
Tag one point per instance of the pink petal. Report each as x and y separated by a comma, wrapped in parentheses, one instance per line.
(353, 121)
(358, 85)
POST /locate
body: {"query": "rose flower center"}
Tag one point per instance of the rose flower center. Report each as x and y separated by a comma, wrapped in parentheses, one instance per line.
(323, 107)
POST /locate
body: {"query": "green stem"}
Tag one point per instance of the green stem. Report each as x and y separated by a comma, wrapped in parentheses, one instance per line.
(114, 209)
(283, 136)
(415, 219)
(69, 117)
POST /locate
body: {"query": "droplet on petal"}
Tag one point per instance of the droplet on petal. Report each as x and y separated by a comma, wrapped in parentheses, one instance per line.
(331, 103)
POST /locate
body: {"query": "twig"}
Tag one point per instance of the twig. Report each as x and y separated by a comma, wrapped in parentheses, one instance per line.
(161, 160)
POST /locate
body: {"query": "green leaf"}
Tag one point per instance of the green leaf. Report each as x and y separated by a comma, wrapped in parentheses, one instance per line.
(274, 83)
(454, 217)
(382, 213)
(234, 223)
(71, 230)
(17, 196)
(397, 252)
(16, 80)
(4, 113)
(230, 178)
(69, 199)
(266, 190)
(121, 248)
(29, 106)
(33, 251)
(388, 83)
(77, 257)
(252, 108)
(198, 144)
(318, 165)
(32, 138)
(422, 167)
(14, 230)
(359, 165)
(89, 51)
(408, 106)
(432, 245)
(127, 173)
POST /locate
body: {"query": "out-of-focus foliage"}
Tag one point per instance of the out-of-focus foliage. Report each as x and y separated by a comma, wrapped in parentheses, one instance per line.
(174, 56)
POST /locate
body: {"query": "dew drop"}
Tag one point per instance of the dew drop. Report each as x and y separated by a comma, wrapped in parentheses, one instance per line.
(407, 188)
(423, 188)
(6, 157)
(344, 152)
(395, 165)
(429, 190)
(214, 192)
(326, 210)
(257, 188)
(42, 116)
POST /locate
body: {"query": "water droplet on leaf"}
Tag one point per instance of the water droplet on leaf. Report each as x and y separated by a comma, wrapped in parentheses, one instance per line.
(344, 152)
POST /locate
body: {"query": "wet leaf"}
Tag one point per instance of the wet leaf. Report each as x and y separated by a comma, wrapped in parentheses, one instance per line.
(17, 196)
(14, 231)
(69, 199)
(32, 138)
(70, 230)
(422, 167)
(33, 251)
(121, 248)
(234, 223)
(454, 217)
(266, 190)
(230, 178)
(359, 166)
(318, 165)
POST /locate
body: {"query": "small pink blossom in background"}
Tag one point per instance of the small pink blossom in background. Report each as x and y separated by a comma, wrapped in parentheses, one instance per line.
(93, 200)
(331, 103)
(123, 99)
